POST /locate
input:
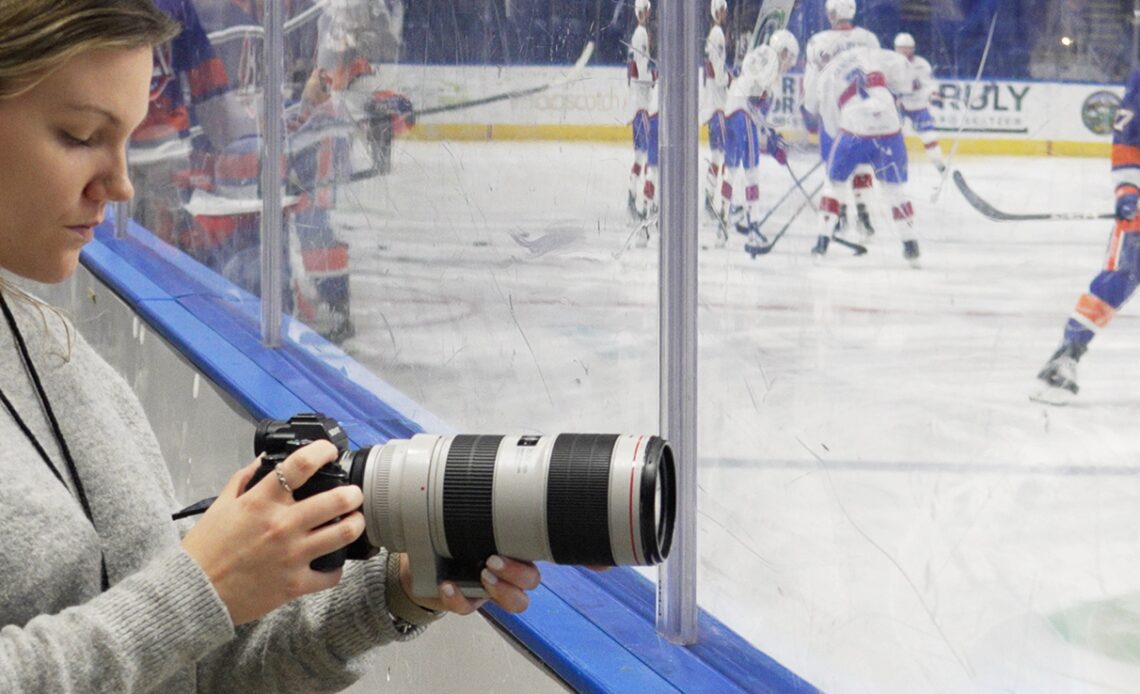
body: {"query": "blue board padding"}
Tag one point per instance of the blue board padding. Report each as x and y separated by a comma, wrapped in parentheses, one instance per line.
(733, 658)
(595, 630)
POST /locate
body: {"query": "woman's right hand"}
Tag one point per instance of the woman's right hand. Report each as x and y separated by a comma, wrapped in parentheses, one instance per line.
(256, 547)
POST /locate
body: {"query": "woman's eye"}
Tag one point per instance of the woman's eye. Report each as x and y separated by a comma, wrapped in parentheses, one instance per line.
(76, 141)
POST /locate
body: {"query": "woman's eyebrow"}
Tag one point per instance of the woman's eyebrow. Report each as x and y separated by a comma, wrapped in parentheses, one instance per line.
(94, 108)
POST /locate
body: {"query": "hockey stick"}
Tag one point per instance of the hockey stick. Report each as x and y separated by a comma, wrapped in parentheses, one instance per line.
(764, 250)
(573, 76)
(642, 227)
(776, 205)
(997, 215)
(796, 180)
(961, 118)
(858, 248)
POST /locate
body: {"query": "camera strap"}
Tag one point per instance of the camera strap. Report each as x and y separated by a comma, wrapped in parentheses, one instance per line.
(80, 494)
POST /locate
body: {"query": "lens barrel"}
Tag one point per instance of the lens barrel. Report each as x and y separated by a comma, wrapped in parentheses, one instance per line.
(588, 499)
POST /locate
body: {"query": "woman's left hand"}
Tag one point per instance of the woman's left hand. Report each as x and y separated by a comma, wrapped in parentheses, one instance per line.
(505, 580)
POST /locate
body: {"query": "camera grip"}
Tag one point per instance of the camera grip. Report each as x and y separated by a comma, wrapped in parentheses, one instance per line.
(328, 477)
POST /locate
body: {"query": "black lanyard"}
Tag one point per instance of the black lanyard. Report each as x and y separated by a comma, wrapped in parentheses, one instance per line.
(80, 493)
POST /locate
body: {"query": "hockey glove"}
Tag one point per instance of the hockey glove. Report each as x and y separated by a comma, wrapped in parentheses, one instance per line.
(1127, 195)
(777, 148)
(811, 121)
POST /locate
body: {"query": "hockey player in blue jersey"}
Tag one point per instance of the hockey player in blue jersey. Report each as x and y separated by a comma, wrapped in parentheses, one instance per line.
(1116, 282)
(166, 162)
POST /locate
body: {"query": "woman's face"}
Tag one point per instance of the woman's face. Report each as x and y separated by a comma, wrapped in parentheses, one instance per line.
(63, 158)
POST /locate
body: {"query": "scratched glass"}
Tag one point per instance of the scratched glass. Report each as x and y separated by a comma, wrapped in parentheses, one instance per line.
(882, 506)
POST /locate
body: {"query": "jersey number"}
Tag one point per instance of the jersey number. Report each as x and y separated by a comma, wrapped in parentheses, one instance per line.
(1123, 118)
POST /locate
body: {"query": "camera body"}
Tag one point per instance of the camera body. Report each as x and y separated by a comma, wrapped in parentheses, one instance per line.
(450, 502)
(275, 440)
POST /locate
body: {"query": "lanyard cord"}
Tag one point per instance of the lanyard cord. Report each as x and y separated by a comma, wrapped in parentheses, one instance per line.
(80, 493)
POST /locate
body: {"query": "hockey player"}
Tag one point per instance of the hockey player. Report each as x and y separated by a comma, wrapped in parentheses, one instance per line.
(916, 105)
(716, 91)
(318, 126)
(1117, 281)
(642, 76)
(749, 99)
(857, 89)
(842, 35)
(165, 162)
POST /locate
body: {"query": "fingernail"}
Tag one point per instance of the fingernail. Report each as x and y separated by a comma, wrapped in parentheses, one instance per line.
(495, 563)
(489, 577)
(448, 590)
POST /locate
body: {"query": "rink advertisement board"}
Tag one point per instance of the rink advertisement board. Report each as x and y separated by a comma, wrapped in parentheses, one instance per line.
(1015, 117)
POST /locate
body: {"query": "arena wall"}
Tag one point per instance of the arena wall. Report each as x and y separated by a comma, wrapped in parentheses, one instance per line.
(991, 117)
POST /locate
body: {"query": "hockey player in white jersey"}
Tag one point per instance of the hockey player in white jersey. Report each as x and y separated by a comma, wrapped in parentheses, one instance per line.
(749, 99)
(642, 75)
(843, 35)
(857, 89)
(924, 94)
(716, 92)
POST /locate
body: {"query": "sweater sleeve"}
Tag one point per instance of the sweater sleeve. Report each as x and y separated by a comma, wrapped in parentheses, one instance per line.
(131, 638)
(317, 643)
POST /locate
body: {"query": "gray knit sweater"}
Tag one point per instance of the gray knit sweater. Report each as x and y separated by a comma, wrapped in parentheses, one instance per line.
(161, 626)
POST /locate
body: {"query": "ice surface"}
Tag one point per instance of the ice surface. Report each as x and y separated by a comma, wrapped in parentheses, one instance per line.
(882, 508)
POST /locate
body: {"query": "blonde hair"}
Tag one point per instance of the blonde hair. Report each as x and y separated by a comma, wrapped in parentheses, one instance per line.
(38, 36)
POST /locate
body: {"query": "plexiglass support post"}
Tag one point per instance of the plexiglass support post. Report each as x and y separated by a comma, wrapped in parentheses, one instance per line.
(678, 44)
(122, 211)
(272, 231)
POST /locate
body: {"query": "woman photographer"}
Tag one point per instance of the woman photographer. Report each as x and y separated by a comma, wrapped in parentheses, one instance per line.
(101, 590)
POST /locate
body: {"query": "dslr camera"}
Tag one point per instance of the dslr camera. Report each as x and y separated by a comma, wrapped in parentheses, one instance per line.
(450, 502)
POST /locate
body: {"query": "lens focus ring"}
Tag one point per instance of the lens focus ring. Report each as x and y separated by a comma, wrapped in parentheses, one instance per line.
(577, 499)
(468, 481)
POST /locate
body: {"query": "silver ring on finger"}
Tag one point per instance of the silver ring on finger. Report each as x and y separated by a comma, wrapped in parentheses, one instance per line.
(281, 478)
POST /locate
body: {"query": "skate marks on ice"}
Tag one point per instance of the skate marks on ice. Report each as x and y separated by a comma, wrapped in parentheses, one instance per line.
(1006, 510)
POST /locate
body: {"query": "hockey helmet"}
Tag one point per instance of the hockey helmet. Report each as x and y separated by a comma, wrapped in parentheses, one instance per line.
(760, 66)
(820, 49)
(787, 48)
(640, 6)
(840, 10)
(904, 40)
(718, 6)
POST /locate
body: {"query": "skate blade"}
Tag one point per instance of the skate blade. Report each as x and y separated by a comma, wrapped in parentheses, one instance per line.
(1052, 395)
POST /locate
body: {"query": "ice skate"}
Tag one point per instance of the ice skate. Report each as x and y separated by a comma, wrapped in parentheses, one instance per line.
(721, 232)
(635, 212)
(911, 254)
(863, 223)
(757, 242)
(737, 219)
(820, 249)
(341, 328)
(1059, 376)
(710, 206)
(641, 237)
(840, 227)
